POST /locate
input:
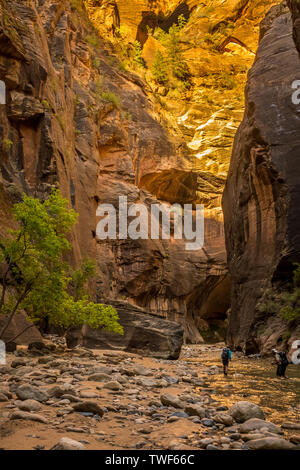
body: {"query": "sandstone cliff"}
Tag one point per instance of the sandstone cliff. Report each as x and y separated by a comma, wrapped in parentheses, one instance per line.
(261, 199)
(77, 118)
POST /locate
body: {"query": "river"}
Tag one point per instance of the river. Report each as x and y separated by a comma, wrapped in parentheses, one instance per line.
(251, 379)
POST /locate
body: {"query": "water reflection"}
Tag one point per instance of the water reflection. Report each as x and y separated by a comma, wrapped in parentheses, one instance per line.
(254, 380)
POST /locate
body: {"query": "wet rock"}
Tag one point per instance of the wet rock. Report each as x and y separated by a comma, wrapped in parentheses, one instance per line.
(3, 397)
(223, 418)
(178, 414)
(59, 390)
(203, 443)
(28, 416)
(141, 370)
(88, 407)
(88, 394)
(291, 426)
(68, 444)
(255, 424)
(270, 443)
(207, 422)
(252, 436)
(245, 410)
(20, 361)
(236, 445)
(101, 370)
(98, 377)
(113, 385)
(171, 400)
(148, 383)
(30, 405)
(195, 410)
(295, 439)
(71, 398)
(28, 392)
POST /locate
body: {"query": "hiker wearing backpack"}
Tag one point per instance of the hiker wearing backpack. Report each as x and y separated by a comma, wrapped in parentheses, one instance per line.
(282, 363)
(226, 357)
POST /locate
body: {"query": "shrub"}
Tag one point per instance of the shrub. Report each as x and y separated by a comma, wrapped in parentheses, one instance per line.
(36, 277)
(160, 68)
(7, 144)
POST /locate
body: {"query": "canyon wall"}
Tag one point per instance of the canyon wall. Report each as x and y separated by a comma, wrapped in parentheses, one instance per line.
(77, 119)
(261, 198)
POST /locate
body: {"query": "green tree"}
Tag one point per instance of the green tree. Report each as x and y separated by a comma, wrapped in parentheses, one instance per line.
(176, 63)
(37, 280)
(138, 54)
(160, 68)
(80, 277)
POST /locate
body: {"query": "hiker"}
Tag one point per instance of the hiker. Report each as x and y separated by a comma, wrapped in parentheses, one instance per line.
(282, 363)
(226, 357)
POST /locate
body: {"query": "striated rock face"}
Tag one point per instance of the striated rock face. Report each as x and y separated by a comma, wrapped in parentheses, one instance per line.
(261, 199)
(76, 120)
(143, 334)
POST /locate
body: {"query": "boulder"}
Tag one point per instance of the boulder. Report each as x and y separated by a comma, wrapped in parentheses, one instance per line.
(113, 385)
(29, 417)
(88, 407)
(257, 424)
(98, 377)
(30, 405)
(171, 400)
(195, 410)
(244, 410)
(68, 444)
(3, 397)
(29, 392)
(270, 443)
(223, 418)
(143, 333)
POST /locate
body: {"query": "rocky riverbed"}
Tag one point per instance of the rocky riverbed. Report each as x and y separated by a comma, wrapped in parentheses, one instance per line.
(52, 397)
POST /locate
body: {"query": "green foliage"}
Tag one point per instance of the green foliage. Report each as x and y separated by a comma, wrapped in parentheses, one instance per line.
(130, 53)
(80, 277)
(160, 68)
(137, 54)
(173, 63)
(106, 95)
(46, 104)
(37, 279)
(7, 144)
(296, 277)
(92, 39)
(76, 5)
(226, 81)
(96, 62)
(112, 98)
(287, 303)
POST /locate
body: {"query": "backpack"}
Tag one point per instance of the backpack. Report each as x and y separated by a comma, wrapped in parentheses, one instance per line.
(284, 359)
(225, 354)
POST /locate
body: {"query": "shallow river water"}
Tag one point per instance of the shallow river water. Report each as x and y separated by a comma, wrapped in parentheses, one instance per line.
(254, 380)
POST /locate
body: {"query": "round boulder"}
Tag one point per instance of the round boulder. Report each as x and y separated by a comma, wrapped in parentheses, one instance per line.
(244, 410)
